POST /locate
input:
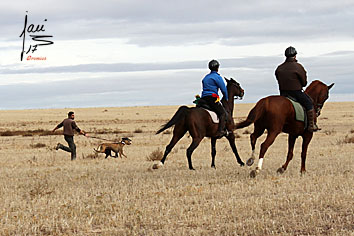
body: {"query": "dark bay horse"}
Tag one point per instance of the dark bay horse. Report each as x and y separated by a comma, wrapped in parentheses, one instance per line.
(276, 114)
(199, 124)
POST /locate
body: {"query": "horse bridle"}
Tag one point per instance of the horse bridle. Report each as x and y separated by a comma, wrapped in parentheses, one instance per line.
(317, 106)
(242, 92)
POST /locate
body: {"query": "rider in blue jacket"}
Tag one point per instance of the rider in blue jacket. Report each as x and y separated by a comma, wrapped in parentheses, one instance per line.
(212, 82)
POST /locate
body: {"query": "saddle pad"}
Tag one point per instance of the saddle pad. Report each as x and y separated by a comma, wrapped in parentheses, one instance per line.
(299, 111)
(213, 116)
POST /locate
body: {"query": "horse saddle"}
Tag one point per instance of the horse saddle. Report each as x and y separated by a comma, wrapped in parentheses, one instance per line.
(300, 112)
(202, 104)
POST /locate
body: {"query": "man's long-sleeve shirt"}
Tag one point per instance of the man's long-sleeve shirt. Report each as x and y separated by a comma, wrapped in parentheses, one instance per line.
(211, 83)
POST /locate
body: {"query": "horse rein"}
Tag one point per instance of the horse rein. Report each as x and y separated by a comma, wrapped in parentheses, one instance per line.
(317, 106)
(318, 109)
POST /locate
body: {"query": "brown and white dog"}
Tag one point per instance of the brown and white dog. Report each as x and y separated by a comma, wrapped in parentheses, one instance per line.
(115, 147)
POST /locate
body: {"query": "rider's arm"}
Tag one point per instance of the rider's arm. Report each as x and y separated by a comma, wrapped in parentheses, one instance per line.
(221, 84)
(58, 126)
(302, 75)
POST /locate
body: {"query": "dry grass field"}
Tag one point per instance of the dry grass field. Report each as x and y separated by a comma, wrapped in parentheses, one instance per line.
(42, 192)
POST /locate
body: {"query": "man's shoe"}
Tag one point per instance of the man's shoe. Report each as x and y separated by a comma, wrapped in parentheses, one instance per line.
(57, 147)
(312, 127)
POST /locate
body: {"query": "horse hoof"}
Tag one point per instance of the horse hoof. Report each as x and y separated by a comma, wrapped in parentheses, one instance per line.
(281, 170)
(253, 174)
(155, 166)
(250, 162)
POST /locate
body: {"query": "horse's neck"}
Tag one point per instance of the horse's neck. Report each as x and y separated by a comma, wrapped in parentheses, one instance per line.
(229, 105)
(313, 96)
(314, 91)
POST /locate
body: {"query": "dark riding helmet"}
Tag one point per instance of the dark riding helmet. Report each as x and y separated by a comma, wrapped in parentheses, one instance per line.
(214, 65)
(290, 52)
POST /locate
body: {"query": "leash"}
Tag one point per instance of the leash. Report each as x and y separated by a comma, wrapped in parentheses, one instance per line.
(113, 141)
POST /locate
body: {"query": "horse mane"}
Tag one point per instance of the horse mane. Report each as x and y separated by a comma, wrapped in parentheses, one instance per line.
(313, 86)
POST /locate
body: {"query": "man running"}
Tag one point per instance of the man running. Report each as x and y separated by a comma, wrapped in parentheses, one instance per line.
(69, 127)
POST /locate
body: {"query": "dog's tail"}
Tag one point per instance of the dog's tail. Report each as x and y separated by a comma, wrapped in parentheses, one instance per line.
(256, 113)
(178, 116)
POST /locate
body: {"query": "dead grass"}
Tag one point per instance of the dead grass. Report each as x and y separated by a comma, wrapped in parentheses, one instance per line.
(90, 156)
(38, 132)
(106, 131)
(346, 139)
(43, 192)
(330, 132)
(167, 132)
(155, 155)
(246, 132)
(138, 131)
(38, 145)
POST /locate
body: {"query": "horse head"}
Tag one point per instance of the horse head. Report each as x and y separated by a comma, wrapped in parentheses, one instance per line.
(234, 88)
(319, 92)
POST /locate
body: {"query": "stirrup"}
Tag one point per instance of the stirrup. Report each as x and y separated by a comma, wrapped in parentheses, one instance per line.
(314, 128)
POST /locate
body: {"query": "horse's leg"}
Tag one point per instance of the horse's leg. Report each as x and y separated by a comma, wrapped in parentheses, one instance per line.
(258, 131)
(306, 139)
(178, 133)
(272, 134)
(291, 143)
(213, 152)
(231, 138)
(190, 150)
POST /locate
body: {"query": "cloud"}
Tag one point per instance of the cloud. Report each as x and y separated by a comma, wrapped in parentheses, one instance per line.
(165, 84)
(250, 62)
(160, 22)
(102, 48)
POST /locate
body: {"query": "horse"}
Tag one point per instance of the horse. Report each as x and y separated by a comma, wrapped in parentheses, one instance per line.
(276, 114)
(198, 122)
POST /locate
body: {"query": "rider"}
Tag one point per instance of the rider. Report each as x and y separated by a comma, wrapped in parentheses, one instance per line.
(292, 78)
(211, 83)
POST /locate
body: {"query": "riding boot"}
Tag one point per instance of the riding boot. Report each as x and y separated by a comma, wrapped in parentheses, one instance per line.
(312, 127)
(221, 128)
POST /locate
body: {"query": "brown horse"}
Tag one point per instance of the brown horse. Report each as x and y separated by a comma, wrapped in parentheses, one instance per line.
(199, 124)
(276, 114)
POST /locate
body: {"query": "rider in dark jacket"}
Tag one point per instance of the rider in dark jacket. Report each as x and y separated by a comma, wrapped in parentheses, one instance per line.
(212, 82)
(291, 77)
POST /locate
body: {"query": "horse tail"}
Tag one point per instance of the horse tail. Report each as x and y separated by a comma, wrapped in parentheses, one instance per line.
(178, 116)
(254, 115)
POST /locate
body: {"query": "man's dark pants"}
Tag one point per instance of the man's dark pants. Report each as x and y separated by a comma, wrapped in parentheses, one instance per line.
(300, 96)
(71, 148)
(219, 109)
(215, 106)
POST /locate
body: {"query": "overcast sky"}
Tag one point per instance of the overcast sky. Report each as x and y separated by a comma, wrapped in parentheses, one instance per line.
(132, 53)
